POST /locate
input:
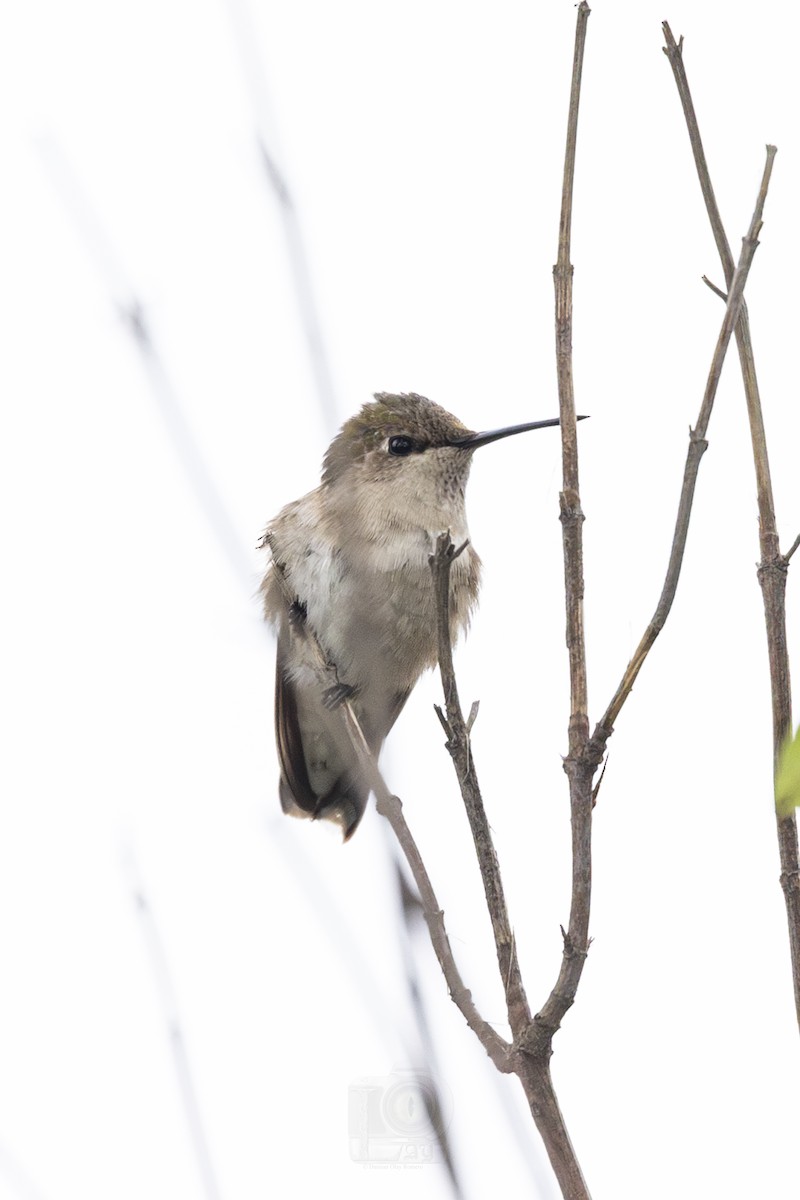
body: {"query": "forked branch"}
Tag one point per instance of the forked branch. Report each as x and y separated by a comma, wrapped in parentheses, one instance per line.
(697, 447)
(530, 1057)
(391, 807)
(533, 1038)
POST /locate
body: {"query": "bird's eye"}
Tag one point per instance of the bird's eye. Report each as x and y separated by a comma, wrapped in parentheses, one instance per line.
(401, 446)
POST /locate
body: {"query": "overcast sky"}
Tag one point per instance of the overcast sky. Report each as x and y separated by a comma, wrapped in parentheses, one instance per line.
(423, 146)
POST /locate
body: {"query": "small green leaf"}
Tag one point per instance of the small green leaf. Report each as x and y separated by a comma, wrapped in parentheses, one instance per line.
(787, 778)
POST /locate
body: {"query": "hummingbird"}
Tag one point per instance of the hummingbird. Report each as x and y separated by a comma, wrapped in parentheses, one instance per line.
(350, 562)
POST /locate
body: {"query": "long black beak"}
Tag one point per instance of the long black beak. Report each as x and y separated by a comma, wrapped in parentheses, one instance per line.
(473, 440)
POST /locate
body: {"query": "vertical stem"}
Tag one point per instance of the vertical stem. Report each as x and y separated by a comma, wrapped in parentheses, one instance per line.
(571, 514)
(535, 1046)
(537, 1084)
(579, 771)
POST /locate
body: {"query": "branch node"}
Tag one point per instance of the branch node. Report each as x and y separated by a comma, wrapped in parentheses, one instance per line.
(571, 950)
(698, 440)
(776, 567)
(385, 803)
(536, 1041)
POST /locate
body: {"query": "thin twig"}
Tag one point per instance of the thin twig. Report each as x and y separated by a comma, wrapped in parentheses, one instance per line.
(674, 53)
(717, 291)
(772, 569)
(391, 807)
(697, 447)
(458, 745)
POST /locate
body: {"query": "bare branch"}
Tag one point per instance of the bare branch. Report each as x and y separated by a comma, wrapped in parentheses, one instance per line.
(571, 514)
(772, 569)
(458, 744)
(581, 761)
(529, 1059)
(535, 1045)
(674, 53)
(697, 447)
(391, 807)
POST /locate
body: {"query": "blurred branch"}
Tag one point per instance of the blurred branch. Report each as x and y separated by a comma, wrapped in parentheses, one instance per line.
(133, 313)
(773, 567)
(266, 137)
(180, 1056)
(697, 447)
(186, 446)
(433, 1101)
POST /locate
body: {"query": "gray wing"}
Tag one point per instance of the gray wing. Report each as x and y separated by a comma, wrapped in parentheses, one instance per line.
(295, 787)
(344, 797)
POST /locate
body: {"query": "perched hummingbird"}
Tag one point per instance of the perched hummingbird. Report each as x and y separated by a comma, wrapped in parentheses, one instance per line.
(350, 559)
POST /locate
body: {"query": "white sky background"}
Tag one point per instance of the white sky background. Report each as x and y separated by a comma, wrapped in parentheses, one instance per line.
(424, 144)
